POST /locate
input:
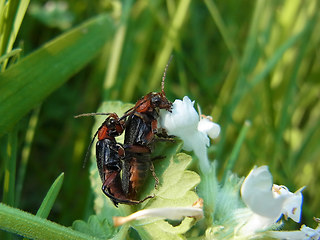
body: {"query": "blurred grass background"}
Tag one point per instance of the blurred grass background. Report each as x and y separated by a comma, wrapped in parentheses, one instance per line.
(240, 60)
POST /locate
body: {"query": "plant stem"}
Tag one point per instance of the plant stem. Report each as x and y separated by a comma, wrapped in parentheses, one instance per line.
(34, 227)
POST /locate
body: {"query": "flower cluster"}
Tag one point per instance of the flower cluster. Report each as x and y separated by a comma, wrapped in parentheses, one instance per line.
(184, 122)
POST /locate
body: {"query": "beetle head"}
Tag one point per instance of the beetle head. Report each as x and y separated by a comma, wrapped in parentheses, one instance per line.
(159, 100)
(114, 125)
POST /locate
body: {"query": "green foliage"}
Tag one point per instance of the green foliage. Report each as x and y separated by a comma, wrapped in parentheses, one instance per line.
(28, 82)
(95, 227)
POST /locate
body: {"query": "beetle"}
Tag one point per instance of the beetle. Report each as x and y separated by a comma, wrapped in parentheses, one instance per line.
(134, 157)
(141, 127)
(109, 155)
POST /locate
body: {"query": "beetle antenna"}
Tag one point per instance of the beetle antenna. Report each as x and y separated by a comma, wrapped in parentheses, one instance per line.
(164, 75)
(88, 150)
(90, 114)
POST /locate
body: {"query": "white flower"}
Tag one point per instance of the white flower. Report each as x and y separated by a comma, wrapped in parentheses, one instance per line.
(292, 205)
(208, 127)
(267, 202)
(184, 122)
(173, 213)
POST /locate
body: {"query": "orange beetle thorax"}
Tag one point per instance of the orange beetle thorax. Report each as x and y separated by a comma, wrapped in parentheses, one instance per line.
(143, 104)
(104, 133)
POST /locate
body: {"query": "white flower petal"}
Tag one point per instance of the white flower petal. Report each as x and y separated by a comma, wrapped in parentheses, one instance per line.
(292, 205)
(257, 195)
(269, 201)
(184, 122)
(208, 127)
(252, 223)
(182, 119)
(173, 213)
(310, 232)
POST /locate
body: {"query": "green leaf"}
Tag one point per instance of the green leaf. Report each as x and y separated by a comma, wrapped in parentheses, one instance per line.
(164, 230)
(176, 189)
(27, 83)
(50, 198)
(176, 181)
(95, 227)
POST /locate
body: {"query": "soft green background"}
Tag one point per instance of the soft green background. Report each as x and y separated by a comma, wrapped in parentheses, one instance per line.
(239, 60)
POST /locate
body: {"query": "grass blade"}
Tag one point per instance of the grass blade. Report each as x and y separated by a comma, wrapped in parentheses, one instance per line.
(10, 168)
(33, 78)
(18, 12)
(50, 198)
(235, 151)
(216, 16)
(116, 50)
(26, 152)
(169, 42)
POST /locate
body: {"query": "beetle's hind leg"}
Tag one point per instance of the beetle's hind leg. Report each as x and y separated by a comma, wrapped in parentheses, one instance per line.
(154, 175)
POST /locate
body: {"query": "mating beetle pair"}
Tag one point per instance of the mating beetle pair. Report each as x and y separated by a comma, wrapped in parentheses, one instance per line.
(133, 157)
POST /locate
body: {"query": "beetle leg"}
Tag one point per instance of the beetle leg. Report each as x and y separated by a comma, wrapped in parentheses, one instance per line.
(149, 137)
(111, 183)
(116, 200)
(154, 175)
(154, 126)
(121, 151)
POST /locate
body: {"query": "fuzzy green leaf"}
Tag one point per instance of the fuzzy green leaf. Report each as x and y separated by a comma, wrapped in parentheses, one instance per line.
(95, 227)
(27, 83)
(176, 185)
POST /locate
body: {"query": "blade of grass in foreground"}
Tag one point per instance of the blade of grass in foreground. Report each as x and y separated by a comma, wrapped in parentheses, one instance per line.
(27, 83)
(50, 198)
